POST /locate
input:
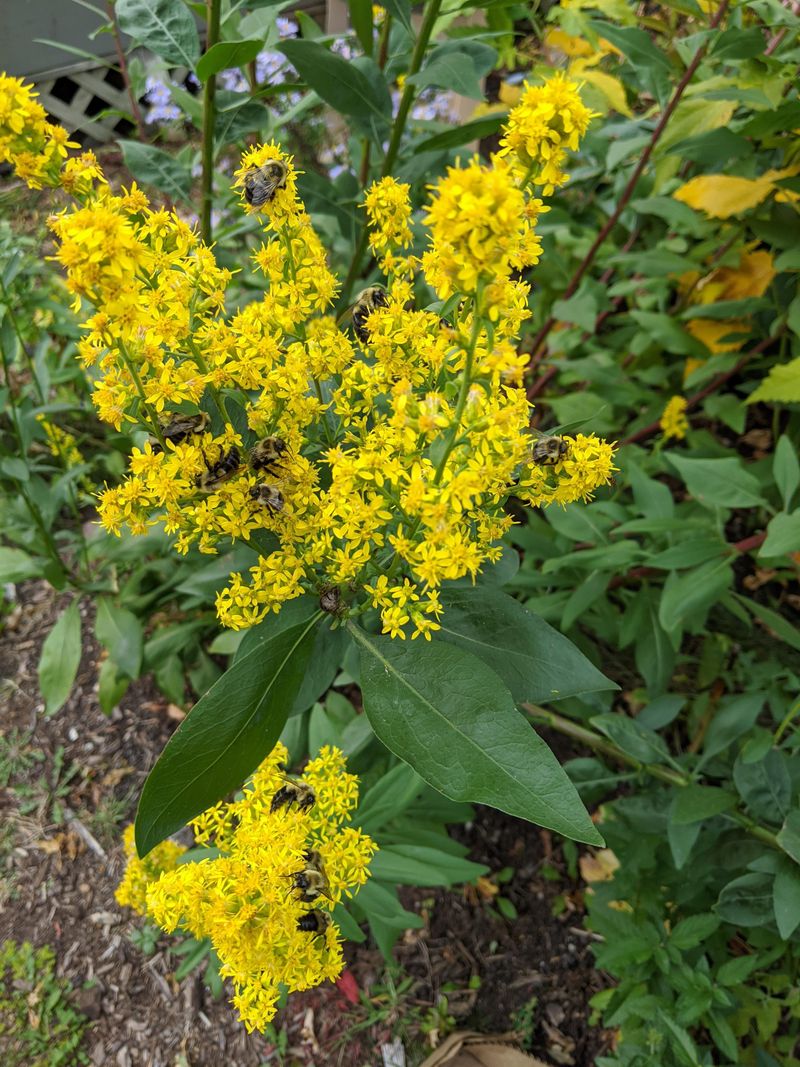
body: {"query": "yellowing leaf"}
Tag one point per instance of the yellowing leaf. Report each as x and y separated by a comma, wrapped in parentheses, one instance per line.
(611, 87)
(566, 43)
(599, 867)
(693, 117)
(616, 10)
(781, 385)
(723, 195)
(711, 332)
(752, 277)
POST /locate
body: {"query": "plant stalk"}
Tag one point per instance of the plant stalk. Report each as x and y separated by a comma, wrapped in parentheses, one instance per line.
(398, 127)
(209, 121)
(662, 774)
(124, 72)
(632, 182)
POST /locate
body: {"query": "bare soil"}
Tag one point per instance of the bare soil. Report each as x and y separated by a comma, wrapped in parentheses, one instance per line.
(73, 783)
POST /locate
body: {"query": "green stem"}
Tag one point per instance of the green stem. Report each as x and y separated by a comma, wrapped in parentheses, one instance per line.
(463, 392)
(662, 774)
(199, 359)
(153, 422)
(209, 120)
(398, 128)
(790, 714)
(22, 345)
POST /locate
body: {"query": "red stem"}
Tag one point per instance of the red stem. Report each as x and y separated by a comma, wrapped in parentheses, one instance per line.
(635, 573)
(628, 191)
(123, 69)
(694, 400)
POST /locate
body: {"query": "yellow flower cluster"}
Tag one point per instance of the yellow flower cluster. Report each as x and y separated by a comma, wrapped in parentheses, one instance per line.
(249, 899)
(36, 148)
(587, 464)
(377, 461)
(62, 444)
(141, 873)
(389, 212)
(482, 228)
(549, 120)
(673, 421)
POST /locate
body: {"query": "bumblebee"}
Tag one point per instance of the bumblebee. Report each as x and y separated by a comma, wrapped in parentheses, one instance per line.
(314, 922)
(311, 881)
(268, 496)
(266, 455)
(219, 472)
(262, 183)
(366, 302)
(293, 793)
(547, 450)
(178, 427)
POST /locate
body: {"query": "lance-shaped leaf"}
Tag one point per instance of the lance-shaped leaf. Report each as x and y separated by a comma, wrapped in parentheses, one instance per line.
(451, 718)
(535, 661)
(230, 730)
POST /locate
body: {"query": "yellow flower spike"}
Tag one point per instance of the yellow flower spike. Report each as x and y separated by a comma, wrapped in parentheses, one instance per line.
(389, 212)
(549, 120)
(244, 901)
(673, 421)
(141, 873)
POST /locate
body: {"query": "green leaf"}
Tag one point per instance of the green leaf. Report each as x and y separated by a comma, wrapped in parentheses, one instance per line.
(789, 836)
(682, 840)
(470, 131)
(227, 54)
(766, 786)
(783, 535)
(153, 166)
(773, 621)
(326, 655)
(739, 43)
(580, 309)
(781, 385)
(165, 27)
(634, 43)
(60, 658)
(227, 734)
(111, 687)
(535, 661)
(638, 741)
(786, 899)
(452, 719)
(389, 797)
(450, 71)
(693, 930)
(786, 469)
(746, 901)
(16, 565)
(378, 902)
(361, 21)
(340, 83)
(720, 483)
(420, 865)
(694, 803)
(735, 971)
(687, 598)
(120, 632)
(401, 10)
(733, 717)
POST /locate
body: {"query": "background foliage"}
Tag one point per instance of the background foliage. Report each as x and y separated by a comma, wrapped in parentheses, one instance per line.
(670, 269)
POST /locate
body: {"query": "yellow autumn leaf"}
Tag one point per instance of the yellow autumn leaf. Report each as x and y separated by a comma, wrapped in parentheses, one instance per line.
(565, 42)
(611, 87)
(711, 332)
(723, 195)
(599, 867)
(752, 277)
